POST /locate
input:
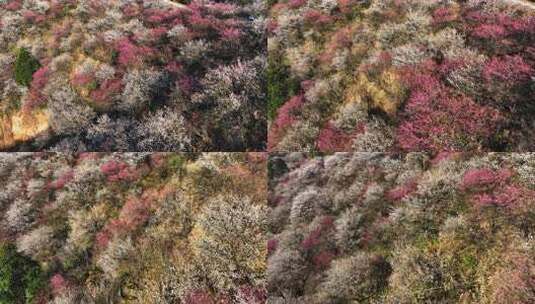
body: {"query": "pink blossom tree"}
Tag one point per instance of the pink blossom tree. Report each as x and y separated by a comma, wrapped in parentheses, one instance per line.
(35, 96)
(332, 138)
(285, 118)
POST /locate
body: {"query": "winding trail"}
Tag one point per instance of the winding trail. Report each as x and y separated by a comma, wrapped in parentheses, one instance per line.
(174, 4)
(523, 3)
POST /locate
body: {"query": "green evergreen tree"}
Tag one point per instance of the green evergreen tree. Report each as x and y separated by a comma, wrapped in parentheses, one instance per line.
(25, 66)
(20, 277)
(280, 85)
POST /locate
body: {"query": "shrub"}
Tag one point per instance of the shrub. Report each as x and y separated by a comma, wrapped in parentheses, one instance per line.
(231, 34)
(411, 275)
(477, 178)
(333, 139)
(506, 78)
(513, 280)
(317, 18)
(25, 66)
(356, 278)
(303, 206)
(82, 79)
(109, 135)
(251, 295)
(509, 68)
(134, 213)
(489, 31)
(118, 250)
(62, 180)
(350, 229)
(230, 243)
(19, 214)
(164, 130)
(443, 15)
(423, 128)
(318, 236)
(142, 89)
(36, 96)
(400, 192)
(118, 171)
(107, 90)
(37, 242)
(508, 197)
(33, 17)
(286, 272)
(68, 114)
(286, 116)
(323, 259)
(236, 96)
(296, 3)
(58, 284)
(131, 54)
(199, 297)
(13, 5)
(272, 245)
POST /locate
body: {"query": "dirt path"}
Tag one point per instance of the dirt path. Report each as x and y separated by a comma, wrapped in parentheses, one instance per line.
(522, 3)
(172, 3)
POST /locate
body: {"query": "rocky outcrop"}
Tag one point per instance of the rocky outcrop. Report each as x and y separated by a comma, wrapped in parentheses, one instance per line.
(22, 127)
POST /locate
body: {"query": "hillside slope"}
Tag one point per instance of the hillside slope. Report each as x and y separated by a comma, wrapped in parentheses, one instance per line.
(409, 75)
(391, 229)
(133, 228)
(113, 75)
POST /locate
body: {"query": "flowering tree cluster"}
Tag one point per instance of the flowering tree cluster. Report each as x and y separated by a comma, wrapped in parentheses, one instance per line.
(410, 228)
(402, 75)
(126, 61)
(495, 188)
(286, 116)
(435, 120)
(180, 227)
(118, 171)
